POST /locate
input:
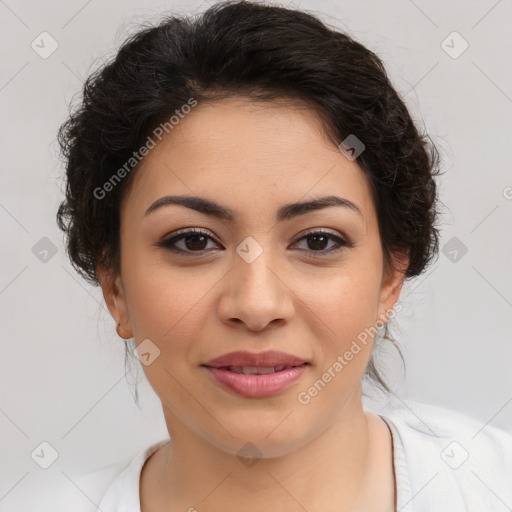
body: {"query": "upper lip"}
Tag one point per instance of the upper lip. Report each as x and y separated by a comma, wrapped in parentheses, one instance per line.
(258, 359)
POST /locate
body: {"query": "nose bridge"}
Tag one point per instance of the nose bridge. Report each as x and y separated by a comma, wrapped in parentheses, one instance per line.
(256, 294)
(256, 265)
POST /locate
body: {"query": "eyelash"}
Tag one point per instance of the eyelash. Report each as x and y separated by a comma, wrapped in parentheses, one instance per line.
(169, 244)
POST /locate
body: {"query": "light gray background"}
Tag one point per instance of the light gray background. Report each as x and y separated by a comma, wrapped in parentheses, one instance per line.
(62, 365)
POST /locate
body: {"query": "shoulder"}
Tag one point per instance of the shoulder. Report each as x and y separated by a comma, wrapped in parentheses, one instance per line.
(425, 421)
(462, 463)
(122, 492)
(68, 489)
(108, 489)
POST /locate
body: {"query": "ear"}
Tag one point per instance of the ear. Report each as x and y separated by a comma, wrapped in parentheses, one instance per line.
(114, 295)
(391, 287)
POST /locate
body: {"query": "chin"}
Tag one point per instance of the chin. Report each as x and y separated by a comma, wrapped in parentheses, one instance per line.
(262, 437)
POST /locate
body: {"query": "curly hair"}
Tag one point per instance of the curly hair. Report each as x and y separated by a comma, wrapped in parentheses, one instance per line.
(265, 53)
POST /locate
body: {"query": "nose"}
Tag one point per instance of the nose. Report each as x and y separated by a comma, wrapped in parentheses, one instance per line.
(256, 295)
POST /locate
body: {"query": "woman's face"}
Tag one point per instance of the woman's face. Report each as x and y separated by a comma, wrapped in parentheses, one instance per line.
(255, 282)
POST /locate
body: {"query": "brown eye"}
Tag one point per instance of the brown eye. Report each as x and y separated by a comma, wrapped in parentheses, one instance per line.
(187, 242)
(318, 241)
(195, 242)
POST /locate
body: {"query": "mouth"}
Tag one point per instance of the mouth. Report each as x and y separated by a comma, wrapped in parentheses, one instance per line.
(256, 375)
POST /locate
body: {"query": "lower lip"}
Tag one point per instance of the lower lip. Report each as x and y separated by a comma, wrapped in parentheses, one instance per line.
(255, 386)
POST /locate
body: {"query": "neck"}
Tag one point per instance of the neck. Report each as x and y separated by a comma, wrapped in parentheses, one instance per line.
(328, 473)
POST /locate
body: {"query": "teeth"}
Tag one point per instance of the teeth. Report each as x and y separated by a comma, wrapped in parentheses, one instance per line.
(256, 370)
(250, 370)
(268, 369)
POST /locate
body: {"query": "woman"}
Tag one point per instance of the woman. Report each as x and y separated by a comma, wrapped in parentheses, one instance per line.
(251, 193)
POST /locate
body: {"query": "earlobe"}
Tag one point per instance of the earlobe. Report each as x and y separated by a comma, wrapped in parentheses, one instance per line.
(122, 332)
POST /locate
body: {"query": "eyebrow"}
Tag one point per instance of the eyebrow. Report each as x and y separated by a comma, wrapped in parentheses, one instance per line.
(286, 212)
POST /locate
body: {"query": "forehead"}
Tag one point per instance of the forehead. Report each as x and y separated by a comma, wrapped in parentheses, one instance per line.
(237, 151)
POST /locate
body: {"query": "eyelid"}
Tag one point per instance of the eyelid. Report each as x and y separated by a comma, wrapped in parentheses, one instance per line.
(324, 231)
(192, 231)
(183, 232)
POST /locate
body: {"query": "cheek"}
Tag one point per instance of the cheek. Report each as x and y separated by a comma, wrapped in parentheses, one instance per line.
(346, 300)
(343, 318)
(169, 308)
(165, 302)
(343, 307)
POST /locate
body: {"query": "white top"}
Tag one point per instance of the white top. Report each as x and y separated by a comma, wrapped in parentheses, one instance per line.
(443, 461)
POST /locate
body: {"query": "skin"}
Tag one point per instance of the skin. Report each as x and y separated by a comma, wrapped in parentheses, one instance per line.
(296, 297)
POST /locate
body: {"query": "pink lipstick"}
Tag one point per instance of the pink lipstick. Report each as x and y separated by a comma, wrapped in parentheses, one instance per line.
(256, 375)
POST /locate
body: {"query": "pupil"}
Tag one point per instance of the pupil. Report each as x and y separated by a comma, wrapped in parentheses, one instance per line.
(321, 237)
(194, 243)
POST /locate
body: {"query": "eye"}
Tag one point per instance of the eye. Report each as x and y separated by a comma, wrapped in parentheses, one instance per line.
(316, 242)
(191, 240)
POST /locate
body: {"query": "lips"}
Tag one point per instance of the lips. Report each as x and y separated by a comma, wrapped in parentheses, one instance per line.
(256, 375)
